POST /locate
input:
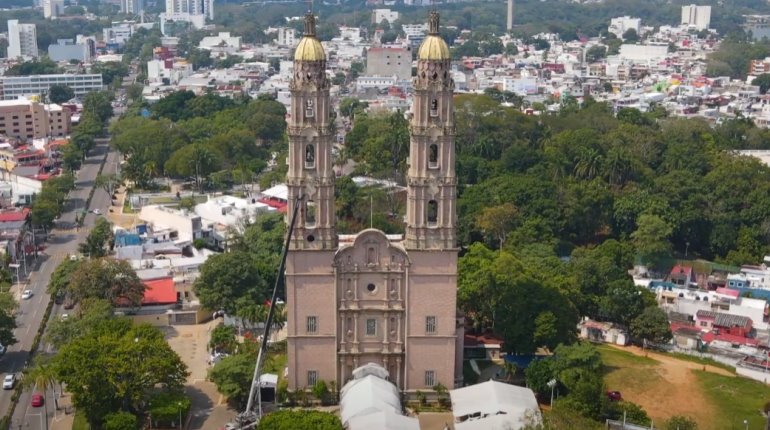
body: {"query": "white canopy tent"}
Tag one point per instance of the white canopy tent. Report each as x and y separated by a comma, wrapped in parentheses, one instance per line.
(494, 405)
(383, 421)
(367, 395)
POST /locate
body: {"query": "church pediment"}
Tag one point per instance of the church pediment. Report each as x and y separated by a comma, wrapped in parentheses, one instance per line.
(371, 249)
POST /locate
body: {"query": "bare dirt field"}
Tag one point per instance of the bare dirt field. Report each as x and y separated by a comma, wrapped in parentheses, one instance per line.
(664, 386)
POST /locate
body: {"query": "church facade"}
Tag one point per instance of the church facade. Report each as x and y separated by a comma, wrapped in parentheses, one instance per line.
(372, 297)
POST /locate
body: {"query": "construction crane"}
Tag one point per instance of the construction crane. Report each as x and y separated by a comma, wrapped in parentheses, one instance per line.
(250, 417)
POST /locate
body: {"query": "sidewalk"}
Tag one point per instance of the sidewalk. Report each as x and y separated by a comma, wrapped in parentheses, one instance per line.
(63, 420)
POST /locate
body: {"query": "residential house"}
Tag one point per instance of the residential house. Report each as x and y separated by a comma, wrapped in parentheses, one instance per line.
(604, 332)
(486, 346)
(723, 323)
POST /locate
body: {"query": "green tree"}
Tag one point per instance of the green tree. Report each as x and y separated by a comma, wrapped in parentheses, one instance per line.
(630, 36)
(60, 277)
(232, 376)
(651, 326)
(193, 160)
(60, 93)
(679, 422)
(108, 279)
(125, 364)
(651, 238)
(596, 53)
(230, 281)
(120, 421)
(7, 317)
(498, 221)
(108, 182)
(763, 82)
(223, 339)
(300, 419)
(98, 242)
(72, 157)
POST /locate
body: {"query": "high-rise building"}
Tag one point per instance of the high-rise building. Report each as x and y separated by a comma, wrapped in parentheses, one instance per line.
(133, 7)
(509, 21)
(193, 7)
(52, 8)
(697, 17)
(620, 25)
(22, 40)
(372, 297)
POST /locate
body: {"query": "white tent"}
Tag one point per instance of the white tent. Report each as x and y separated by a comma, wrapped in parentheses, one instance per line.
(371, 369)
(494, 405)
(367, 395)
(383, 421)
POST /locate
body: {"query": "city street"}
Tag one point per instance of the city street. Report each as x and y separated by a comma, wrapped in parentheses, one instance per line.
(63, 242)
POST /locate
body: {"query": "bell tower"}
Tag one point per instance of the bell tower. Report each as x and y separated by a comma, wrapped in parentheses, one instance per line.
(431, 181)
(309, 130)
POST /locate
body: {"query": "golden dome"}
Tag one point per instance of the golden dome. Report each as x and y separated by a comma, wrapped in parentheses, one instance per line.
(309, 49)
(433, 48)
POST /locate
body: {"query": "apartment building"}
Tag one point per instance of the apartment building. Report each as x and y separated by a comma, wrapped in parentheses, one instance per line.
(13, 87)
(22, 40)
(26, 119)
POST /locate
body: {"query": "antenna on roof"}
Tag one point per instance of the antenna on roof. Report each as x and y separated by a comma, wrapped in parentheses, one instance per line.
(309, 6)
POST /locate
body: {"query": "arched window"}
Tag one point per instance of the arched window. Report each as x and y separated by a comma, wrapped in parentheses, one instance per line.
(309, 156)
(433, 156)
(434, 107)
(310, 215)
(432, 212)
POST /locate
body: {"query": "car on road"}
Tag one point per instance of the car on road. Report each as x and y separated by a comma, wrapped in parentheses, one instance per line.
(96, 211)
(614, 396)
(65, 316)
(9, 381)
(2, 349)
(37, 400)
(26, 294)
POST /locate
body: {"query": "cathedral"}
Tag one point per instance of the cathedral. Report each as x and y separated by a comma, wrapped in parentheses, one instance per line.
(372, 297)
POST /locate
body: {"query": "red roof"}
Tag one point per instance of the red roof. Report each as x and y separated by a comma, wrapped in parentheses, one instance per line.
(728, 292)
(680, 269)
(14, 215)
(159, 292)
(472, 340)
(280, 205)
(731, 338)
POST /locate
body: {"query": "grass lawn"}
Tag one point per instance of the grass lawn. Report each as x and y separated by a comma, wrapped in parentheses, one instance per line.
(702, 360)
(618, 358)
(80, 422)
(624, 369)
(735, 400)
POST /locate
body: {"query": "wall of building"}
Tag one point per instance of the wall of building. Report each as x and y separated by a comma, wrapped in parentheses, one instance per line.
(389, 62)
(14, 87)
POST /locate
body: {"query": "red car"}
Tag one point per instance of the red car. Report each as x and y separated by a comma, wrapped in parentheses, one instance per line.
(37, 400)
(614, 396)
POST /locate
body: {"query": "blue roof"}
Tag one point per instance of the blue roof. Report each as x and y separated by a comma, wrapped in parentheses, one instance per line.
(128, 240)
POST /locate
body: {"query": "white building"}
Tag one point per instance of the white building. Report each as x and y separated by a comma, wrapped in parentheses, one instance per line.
(223, 43)
(379, 82)
(22, 40)
(286, 36)
(689, 302)
(132, 7)
(414, 30)
(67, 49)
(119, 33)
(643, 53)
(618, 26)
(697, 17)
(13, 87)
(171, 70)
(379, 15)
(193, 7)
(182, 225)
(52, 8)
(198, 21)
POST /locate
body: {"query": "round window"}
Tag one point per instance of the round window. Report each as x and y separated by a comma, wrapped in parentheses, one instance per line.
(371, 288)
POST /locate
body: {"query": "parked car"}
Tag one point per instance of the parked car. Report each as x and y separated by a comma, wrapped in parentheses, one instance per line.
(2, 349)
(9, 381)
(37, 400)
(26, 294)
(614, 396)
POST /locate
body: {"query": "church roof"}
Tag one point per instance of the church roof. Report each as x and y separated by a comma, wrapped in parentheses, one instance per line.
(433, 47)
(309, 47)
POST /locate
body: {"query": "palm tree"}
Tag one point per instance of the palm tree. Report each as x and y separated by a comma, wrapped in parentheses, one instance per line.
(42, 377)
(588, 163)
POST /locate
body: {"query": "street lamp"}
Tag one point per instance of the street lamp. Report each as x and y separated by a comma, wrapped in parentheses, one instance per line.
(552, 384)
(746, 423)
(180, 414)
